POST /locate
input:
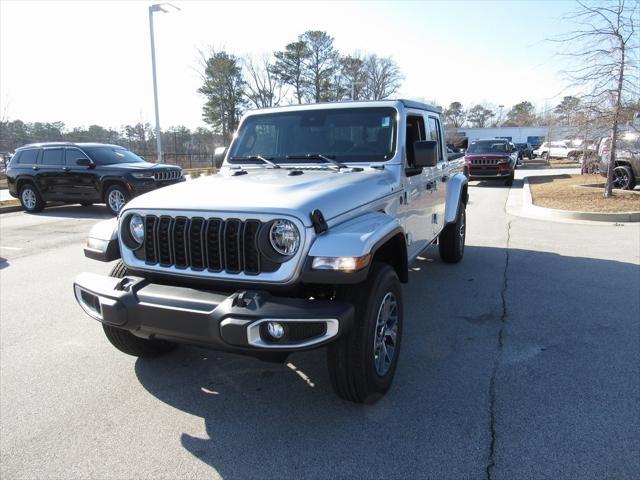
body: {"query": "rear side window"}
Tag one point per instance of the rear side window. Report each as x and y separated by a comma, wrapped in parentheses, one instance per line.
(27, 157)
(53, 156)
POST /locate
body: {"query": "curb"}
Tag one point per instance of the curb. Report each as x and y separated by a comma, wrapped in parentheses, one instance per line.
(15, 208)
(528, 206)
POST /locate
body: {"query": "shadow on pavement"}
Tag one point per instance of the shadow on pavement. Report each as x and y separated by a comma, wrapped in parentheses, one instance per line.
(4, 263)
(281, 420)
(75, 211)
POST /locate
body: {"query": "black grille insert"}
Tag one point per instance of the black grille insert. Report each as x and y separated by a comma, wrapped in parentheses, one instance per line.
(200, 243)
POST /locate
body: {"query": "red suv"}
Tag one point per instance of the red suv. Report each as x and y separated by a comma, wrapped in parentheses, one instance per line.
(493, 159)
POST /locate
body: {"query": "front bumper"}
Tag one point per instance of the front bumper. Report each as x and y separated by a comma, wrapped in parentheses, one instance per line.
(222, 321)
(479, 173)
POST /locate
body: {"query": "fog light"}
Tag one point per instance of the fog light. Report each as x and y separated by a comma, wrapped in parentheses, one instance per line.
(275, 329)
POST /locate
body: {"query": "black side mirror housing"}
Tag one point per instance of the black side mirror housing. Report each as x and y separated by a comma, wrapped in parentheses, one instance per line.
(84, 162)
(218, 156)
(425, 153)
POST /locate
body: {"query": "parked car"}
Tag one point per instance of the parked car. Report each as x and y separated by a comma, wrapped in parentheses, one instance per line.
(524, 150)
(302, 241)
(84, 173)
(561, 149)
(626, 171)
(491, 159)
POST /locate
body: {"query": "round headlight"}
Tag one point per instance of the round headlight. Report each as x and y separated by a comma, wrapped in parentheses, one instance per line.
(284, 237)
(136, 228)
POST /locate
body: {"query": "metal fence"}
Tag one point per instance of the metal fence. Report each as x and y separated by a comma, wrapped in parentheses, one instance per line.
(185, 160)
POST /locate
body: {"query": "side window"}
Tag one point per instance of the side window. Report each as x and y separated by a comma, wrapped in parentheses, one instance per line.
(53, 156)
(72, 155)
(434, 132)
(28, 157)
(415, 133)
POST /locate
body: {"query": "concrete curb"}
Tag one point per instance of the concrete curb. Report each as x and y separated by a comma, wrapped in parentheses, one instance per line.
(529, 207)
(9, 209)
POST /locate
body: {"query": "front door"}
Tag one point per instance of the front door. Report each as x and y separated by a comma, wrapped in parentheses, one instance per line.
(438, 179)
(82, 181)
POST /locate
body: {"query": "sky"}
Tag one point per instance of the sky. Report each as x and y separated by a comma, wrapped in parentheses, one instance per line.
(88, 62)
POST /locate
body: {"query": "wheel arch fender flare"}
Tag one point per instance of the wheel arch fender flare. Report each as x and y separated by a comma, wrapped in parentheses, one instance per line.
(457, 192)
(374, 233)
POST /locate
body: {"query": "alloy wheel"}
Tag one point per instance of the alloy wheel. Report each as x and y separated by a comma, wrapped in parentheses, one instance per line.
(116, 200)
(29, 199)
(384, 342)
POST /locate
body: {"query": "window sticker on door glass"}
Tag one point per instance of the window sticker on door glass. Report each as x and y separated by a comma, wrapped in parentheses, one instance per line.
(386, 122)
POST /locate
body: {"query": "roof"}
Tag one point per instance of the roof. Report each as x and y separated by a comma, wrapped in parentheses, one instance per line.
(351, 104)
(67, 144)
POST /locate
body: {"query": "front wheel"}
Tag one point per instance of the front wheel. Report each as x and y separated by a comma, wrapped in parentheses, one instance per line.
(362, 363)
(451, 240)
(509, 181)
(115, 198)
(623, 178)
(126, 341)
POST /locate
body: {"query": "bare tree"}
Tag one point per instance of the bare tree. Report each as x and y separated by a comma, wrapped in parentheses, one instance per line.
(605, 62)
(264, 88)
(383, 77)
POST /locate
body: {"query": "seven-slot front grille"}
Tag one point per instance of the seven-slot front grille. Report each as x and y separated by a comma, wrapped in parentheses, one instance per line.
(486, 161)
(200, 243)
(166, 175)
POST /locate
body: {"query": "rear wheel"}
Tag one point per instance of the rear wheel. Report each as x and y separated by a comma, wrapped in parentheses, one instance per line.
(623, 178)
(126, 341)
(30, 198)
(452, 239)
(362, 363)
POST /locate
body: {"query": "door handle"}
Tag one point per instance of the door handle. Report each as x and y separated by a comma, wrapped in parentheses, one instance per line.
(65, 169)
(35, 168)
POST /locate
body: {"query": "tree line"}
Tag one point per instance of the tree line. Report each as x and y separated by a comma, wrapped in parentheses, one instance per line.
(308, 70)
(570, 112)
(139, 138)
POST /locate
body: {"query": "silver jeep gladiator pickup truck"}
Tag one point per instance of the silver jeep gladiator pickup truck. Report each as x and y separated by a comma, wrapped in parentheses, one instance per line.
(301, 241)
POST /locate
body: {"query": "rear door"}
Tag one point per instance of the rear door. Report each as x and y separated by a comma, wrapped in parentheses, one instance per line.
(438, 180)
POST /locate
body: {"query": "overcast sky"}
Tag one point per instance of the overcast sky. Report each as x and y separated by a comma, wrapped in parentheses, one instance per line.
(89, 62)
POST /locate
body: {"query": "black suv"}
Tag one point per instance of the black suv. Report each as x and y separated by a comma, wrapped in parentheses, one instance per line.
(84, 173)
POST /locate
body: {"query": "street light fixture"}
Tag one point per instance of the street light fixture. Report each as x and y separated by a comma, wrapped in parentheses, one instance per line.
(158, 7)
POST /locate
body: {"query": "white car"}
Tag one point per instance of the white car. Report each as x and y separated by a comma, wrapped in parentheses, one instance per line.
(561, 149)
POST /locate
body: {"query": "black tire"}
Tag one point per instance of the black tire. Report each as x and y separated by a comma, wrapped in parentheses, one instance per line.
(112, 191)
(30, 198)
(126, 341)
(352, 362)
(544, 156)
(623, 178)
(509, 181)
(452, 238)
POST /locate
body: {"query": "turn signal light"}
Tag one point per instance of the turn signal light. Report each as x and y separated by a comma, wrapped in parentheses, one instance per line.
(342, 264)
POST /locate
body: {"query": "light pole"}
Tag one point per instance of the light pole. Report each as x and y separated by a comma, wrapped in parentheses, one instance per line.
(156, 8)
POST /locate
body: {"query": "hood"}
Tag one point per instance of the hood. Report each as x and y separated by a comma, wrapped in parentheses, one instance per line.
(486, 155)
(142, 166)
(273, 191)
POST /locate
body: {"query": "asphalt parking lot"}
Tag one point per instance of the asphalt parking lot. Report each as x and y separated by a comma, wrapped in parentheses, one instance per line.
(523, 361)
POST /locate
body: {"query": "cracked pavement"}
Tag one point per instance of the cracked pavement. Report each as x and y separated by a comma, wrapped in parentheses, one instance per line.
(520, 362)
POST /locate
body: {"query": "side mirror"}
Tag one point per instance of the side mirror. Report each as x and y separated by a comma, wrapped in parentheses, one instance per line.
(425, 153)
(84, 162)
(218, 155)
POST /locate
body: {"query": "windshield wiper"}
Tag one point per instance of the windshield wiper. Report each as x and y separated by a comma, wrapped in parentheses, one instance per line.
(318, 156)
(267, 160)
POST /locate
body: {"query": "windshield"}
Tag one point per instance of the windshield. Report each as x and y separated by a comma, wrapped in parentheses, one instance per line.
(111, 155)
(487, 147)
(346, 135)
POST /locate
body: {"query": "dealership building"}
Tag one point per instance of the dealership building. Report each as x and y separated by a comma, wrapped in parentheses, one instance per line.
(460, 137)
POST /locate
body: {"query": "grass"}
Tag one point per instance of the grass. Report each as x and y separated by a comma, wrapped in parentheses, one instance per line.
(582, 193)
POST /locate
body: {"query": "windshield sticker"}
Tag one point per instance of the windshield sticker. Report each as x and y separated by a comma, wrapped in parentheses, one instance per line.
(386, 122)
